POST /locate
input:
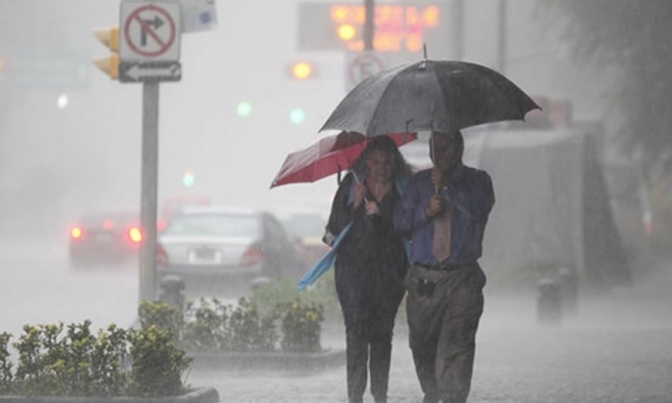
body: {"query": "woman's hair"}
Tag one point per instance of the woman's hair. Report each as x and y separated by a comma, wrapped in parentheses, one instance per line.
(386, 145)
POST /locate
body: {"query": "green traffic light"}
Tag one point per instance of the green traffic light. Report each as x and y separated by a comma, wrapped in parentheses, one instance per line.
(188, 179)
(297, 116)
(244, 109)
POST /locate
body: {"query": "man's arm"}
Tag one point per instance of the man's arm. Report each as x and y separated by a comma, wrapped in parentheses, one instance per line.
(409, 213)
(475, 198)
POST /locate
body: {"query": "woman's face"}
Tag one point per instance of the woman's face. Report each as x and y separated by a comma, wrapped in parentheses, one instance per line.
(380, 166)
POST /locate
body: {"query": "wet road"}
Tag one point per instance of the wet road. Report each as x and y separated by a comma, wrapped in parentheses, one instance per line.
(615, 349)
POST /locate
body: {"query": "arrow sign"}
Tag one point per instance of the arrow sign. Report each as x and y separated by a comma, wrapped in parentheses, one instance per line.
(149, 31)
(158, 71)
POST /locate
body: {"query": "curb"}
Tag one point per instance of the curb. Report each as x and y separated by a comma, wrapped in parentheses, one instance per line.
(198, 395)
(226, 360)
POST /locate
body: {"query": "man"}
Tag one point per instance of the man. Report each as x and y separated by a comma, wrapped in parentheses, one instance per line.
(444, 211)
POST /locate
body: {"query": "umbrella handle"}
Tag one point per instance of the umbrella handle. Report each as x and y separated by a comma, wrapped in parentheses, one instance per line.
(354, 173)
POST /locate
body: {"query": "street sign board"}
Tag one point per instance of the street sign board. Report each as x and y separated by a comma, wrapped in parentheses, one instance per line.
(150, 32)
(198, 15)
(134, 72)
(48, 69)
(399, 27)
(361, 65)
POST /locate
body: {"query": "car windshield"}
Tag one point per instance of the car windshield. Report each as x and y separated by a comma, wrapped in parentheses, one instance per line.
(226, 225)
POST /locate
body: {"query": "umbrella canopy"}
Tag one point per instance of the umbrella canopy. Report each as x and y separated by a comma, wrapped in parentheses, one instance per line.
(328, 156)
(430, 95)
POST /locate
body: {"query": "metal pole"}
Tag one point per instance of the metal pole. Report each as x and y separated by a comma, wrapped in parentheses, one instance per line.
(457, 29)
(148, 191)
(501, 54)
(369, 27)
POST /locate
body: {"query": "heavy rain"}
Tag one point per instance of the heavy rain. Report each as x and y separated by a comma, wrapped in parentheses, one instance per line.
(576, 250)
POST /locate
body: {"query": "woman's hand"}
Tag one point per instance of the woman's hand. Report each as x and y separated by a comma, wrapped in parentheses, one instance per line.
(371, 207)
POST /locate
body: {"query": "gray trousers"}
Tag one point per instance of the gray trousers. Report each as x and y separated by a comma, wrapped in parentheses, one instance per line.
(442, 329)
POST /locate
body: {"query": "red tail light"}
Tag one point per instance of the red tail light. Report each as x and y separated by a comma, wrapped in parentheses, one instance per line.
(252, 256)
(135, 235)
(161, 256)
(76, 232)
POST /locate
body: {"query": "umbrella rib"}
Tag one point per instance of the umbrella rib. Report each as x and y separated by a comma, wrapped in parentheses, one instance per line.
(395, 74)
(501, 83)
(443, 95)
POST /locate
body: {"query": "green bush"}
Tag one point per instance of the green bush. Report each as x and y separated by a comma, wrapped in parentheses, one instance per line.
(161, 314)
(5, 364)
(249, 331)
(205, 326)
(211, 325)
(113, 362)
(323, 293)
(157, 364)
(301, 326)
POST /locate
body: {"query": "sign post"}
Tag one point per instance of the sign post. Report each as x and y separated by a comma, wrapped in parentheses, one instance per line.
(149, 51)
(149, 188)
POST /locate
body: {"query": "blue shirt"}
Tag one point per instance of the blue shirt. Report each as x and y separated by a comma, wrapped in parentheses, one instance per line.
(471, 196)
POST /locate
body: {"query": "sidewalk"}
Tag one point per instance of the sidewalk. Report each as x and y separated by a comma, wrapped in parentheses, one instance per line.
(615, 349)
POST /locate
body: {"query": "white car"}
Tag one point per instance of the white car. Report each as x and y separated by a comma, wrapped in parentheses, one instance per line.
(221, 248)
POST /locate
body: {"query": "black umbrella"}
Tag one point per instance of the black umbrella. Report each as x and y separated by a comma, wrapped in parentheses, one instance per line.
(430, 95)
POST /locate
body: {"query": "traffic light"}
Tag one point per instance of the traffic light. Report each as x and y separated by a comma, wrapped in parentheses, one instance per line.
(297, 116)
(244, 109)
(110, 38)
(188, 179)
(302, 70)
(346, 32)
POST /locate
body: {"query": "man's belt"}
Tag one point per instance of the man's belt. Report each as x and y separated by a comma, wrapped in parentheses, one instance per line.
(445, 266)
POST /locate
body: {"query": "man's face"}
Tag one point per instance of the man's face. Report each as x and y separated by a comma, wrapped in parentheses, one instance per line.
(443, 151)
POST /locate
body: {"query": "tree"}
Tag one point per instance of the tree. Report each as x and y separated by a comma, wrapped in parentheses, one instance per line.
(629, 36)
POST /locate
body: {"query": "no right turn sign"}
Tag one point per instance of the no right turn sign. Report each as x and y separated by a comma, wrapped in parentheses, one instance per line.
(150, 32)
(360, 66)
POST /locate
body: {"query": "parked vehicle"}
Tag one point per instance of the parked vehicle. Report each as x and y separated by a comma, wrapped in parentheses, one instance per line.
(306, 231)
(219, 248)
(175, 204)
(104, 237)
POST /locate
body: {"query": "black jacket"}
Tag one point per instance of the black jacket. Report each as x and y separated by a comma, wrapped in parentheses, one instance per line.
(371, 260)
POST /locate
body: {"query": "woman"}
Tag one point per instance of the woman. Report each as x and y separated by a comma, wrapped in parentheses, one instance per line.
(370, 263)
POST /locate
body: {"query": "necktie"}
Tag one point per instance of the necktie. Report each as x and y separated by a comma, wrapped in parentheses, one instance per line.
(441, 245)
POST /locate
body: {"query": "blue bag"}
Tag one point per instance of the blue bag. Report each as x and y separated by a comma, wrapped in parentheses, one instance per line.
(325, 263)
